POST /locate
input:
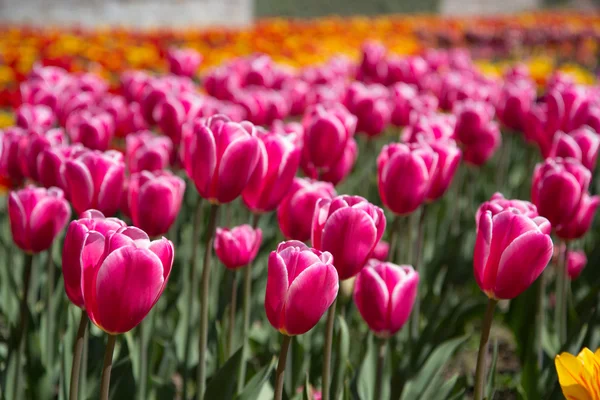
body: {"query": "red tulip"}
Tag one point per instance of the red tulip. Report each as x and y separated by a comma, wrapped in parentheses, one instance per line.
(237, 247)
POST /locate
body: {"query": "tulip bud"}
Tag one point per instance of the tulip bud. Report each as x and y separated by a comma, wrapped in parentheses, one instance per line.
(339, 170)
(237, 247)
(84, 242)
(511, 251)
(384, 294)
(122, 283)
(32, 145)
(370, 106)
(296, 210)
(349, 227)
(478, 135)
(405, 174)
(514, 103)
(576, 262)
(301, 285)
(373, 67)
(220, 156)
(154, 200)
(184, 62)
(147, 152)
(274, 173)
(581, 221)
(37, 215)
(94, 129)
(581, 144)
(38, 117)
(95, 180)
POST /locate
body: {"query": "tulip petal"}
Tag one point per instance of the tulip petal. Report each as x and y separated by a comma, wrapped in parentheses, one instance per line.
(569, 368)
(372, 299)
(402, 301)
(236, 167)
(80, 184)
(276, 292)
(163, 248)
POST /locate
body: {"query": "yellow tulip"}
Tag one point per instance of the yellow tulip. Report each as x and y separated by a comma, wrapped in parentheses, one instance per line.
(579, 376)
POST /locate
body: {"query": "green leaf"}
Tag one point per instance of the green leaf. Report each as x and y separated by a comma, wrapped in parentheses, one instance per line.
(431, 373)
(223, 384)
(255, 385)
(366, 374)
(306, 392)
(342, 351)
(491, 385)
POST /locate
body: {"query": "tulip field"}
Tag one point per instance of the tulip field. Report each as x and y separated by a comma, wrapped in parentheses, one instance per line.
(382, 208)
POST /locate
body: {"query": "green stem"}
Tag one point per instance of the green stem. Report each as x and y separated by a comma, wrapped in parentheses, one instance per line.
(232, 305)
(50, 339)
(107, 368)
(143, 360)
(483, 348)
(191, 285)
(84, 365)
(24, 321)
(394, 238)
(560, 316)
(380, 364)
(205, 288)
(327, 348)
(285, 344)
(76, 366)
(416, 311)
(540, 318)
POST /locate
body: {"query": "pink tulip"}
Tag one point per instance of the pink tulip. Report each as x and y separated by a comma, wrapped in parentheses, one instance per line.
(172, 112)
(95, 180)
(349, 227)
(384, 294)
(9, 153)
(51, 164)
(511, 251)
(581, 144)
(154, 200)
(37, 215)
(301, 285)
(339, 170)
(576, 262)
(409, 70)
(220, 156)
(133, 84)
(127, 117)
(405, 175)
(124, 277)
(39, 117)
(71, 102)
(447, 163)
(478, 135)
(543, 121)
(296, 210)
(94, 129)
(580, 222)
(515, 101)
(373, 66)
(406, 102)
(77, 252)
(381, 251)
(429, 127)
(32, 145)
(370, 106)
(274, 173)
(558, 187)
(184, 62)
(39, 92)
(499, 203)
(147, 152)
(237, 247)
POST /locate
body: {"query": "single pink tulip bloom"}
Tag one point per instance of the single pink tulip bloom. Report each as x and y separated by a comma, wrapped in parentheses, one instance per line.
(51, 164)
(339, 170)
(349, 227)
(576, 262)
(220, 156)
(499, 203)
(71, 102)
(38, 117)
(172, 112)
(558, 187)
(91, 225)
(581, 144)
(405, 174)
(301, 285)
(95, 180)
(36, 216)
(237, 247)
(145, 151)
(478, 135)
(429, 127)
(410, 70)
(39, 92)
(384, 294)
(32, 145)
(133, 84)
(274, 173)
(154, 200)
(124, 277)
(581, 221)
(449, 156)
(511, 251)
(296, 210)
(94, 129)
(184, 62)
(514, 103)
(543, 121)
(370, 106)
(381, 251)
(10, 165)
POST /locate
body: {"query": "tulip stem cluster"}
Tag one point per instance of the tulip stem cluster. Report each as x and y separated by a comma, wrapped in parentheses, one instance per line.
(107, 367)
(480, 372)
(205, 289)
(560, 317)
(327, 349)
(76, 366)
(22, 332)
(279, 373)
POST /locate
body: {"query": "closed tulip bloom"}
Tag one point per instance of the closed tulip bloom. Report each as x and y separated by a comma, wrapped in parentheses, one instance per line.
(274, 173)
(581, 221)
(51, 164)
(301, 285)
(296, 210)
(95, 180)
(349, 227)
(29, 116)
(514, 103)
(581, 144)
(558, 187)
(94, 129)
(220, 156)
(384, 294)
(429, 127)
(71, 102)
(511, 251)
(237, 247)
(370, 106)
(170, 114)
(145, 151)
(478, 135)
(154, 200)
(576, 262)
(10, 167)
(543, 121)
(36, 216)
(32, 145)
(122, 283)
(405, 174)
(449, 156)
(381, 251)
(184, 62)
(499, 203)
(92, 226)
(337, 172)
